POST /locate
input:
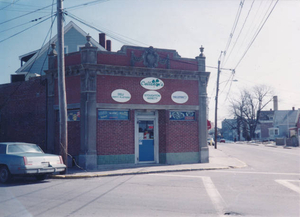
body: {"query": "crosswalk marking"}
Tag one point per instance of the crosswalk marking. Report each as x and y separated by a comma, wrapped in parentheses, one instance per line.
(290, 184)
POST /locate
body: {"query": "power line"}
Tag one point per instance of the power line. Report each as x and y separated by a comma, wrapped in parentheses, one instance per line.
(26, 29)
(256, 35)
(240, 31)
(26, 14)
(87, 4)
(8, 5)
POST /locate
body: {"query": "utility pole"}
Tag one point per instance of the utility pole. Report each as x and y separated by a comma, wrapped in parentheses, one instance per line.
(216, 106)
(63, 124)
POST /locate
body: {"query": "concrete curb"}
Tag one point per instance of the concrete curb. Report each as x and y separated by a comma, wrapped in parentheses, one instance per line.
(83, 176)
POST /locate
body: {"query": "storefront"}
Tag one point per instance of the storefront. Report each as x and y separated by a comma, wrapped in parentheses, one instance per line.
(137, 105)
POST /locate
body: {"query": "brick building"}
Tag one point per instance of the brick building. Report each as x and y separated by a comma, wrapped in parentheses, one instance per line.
(137, 105)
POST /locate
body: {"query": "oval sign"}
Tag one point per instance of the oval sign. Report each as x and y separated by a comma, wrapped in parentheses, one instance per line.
(121, 95)
(152, 83)
(180, 97)
(152, 96)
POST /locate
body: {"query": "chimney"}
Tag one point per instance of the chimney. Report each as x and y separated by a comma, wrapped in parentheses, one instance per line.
(293, 108)
(108, 45)
(102, 39)
(275, 103)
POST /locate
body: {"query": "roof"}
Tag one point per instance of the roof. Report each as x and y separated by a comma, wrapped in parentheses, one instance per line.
(285, 117)
(45, 48)
(265, 115)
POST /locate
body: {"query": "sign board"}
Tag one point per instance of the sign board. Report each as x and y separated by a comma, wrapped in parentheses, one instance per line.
(208, 125)
(152, 83)
(113, 115)
(152, 96)
(182, 116)
(121, 95)
(180, 97)
(73, 115)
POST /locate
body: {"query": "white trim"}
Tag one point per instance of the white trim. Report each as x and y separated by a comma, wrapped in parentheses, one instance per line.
(54, 40)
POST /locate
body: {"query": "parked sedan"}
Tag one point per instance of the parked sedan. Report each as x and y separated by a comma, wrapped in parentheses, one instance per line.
(222, 141)
(25, 159)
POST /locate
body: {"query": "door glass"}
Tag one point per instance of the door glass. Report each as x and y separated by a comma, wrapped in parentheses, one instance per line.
(146, 130)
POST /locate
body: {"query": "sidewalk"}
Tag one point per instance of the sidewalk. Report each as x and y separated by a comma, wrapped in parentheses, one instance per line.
(217, 160)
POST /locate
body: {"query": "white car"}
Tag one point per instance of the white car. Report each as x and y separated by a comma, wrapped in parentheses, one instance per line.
(25, 159)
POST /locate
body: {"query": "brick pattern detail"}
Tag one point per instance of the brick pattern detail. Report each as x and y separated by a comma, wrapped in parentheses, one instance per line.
(72, 90)
(115, 137)
(23, 112)
(182, 136)
(107, 84)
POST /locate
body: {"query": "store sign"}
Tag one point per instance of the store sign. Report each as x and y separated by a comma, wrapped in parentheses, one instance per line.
(182, 116)
(180, 97)
(113, 115)
(121, 95)
(152, 83)
(73, 115)
(152, 96)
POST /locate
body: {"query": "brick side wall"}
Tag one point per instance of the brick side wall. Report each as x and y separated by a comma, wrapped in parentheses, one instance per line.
(23, 112)
(182, 136)
(107, 84)
(115, 137)
(72, 89)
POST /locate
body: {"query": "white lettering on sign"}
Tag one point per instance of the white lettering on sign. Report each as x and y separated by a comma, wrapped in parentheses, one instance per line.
(121, 95)
(152, 96)
(180, 97)
(152, 83)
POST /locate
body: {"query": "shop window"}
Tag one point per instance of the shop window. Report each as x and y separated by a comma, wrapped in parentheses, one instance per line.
(273, 131)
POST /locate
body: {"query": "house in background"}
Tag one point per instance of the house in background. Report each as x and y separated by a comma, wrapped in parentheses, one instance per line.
(35, 62)
(266, 119)
(284, 121)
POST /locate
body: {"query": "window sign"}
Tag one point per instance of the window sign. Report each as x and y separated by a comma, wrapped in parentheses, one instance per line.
(121, 95)
(180, 97)
(152, 83)
(182, 116)
(152, 96)
(73, 115)
(113, 115)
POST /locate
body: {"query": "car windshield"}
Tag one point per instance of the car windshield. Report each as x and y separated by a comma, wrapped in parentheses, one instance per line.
(24, 148)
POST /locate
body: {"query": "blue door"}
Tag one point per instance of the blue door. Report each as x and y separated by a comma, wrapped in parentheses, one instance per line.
(146, 141)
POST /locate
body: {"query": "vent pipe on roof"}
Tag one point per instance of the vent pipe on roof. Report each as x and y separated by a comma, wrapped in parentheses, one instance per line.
(102, 39)
(275, 103)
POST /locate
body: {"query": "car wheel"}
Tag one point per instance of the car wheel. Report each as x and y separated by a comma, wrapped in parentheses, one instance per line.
(5, 175)
(41, 177)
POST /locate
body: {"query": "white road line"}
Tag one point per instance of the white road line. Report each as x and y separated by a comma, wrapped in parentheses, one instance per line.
(288, 184)
(257, 173)
(211, 190)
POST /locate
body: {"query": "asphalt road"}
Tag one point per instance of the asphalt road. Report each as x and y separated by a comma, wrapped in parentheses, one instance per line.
(269, 186)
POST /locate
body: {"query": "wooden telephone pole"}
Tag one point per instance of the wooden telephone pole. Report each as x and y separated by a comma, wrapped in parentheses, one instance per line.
(216, 106)
(63, 124)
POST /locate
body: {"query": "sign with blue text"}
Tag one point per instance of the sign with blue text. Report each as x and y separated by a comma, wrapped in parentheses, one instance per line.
(113, 115)
(182, 116)
(152, 83)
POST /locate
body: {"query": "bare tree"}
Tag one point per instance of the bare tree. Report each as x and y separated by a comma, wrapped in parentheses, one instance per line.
(247, 107)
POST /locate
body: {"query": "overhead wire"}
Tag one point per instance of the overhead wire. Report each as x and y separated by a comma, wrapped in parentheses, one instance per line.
(25, 29)
(252, 41)
(9, 5)
(26, 14)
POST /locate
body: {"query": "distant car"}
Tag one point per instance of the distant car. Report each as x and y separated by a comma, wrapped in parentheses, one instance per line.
(222, 140)
(25, 159)
(211, 142)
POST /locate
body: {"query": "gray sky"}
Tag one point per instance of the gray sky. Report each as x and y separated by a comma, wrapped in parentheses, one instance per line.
(183, 25)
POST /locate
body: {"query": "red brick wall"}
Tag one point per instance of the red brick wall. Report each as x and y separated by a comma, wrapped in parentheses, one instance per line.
(182, 136)
(115, 137)
(23, 112)
(107, 84)
(72, 90)
(121, 59)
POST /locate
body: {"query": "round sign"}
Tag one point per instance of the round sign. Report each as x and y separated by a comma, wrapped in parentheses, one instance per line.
(152, 96)
(180, 97)
(121, 95)
(152, 83)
